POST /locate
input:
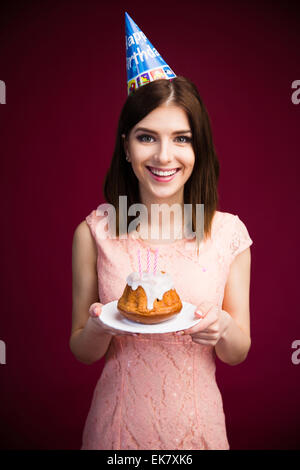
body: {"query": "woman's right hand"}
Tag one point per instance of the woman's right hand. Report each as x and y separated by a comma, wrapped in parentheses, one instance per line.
(95, 312)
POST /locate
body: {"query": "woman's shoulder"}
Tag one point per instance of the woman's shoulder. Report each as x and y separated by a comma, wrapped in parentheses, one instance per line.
(81, 231)
(231, 232)
(223, 215)
(102, 223)
(228, 223)
(83, 242)
(223, 219)
(95, 216)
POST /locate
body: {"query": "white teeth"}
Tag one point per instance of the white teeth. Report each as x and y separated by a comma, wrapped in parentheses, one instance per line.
(163, 173)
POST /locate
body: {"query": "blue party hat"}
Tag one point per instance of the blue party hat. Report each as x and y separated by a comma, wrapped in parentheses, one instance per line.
(143, 62)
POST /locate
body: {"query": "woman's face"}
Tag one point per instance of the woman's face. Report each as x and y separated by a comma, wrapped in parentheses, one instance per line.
(160, 151)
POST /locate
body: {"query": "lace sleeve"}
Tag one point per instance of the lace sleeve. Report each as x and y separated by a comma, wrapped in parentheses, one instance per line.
(240, 239)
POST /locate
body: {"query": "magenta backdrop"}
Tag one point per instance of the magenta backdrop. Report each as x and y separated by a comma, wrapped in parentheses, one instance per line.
(63, 64)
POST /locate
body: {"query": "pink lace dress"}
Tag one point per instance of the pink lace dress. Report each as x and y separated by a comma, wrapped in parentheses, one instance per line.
(158, 391)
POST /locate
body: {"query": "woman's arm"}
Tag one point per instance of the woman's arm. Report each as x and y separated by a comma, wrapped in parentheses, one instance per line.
(235, 342)
(228, 329)
(88, 341)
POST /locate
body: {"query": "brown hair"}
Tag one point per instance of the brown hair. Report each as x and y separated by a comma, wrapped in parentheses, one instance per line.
(201, 187)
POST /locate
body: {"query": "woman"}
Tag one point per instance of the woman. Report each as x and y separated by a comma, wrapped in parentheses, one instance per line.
(158, 391)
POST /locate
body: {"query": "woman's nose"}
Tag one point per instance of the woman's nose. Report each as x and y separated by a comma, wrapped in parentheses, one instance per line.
(163, 154)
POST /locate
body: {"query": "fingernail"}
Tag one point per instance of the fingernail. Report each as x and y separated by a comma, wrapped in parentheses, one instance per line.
(200, 314)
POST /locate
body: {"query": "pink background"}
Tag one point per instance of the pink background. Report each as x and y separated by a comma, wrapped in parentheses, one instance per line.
(63, 64)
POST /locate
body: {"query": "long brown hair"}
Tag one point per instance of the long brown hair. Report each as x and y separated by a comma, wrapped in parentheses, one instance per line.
(201, 187)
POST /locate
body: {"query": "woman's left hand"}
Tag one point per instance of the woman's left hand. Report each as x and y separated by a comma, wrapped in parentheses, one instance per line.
(212, 327)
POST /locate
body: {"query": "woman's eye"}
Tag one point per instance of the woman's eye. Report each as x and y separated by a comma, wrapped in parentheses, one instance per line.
(185, 139)
(144, 138)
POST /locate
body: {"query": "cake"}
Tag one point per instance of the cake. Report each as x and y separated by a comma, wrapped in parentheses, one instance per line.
(149, 298)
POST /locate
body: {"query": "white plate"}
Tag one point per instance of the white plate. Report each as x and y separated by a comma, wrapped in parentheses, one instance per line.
(111, 317)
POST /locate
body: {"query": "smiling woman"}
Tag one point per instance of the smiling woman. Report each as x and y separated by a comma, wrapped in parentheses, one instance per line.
(159, 391)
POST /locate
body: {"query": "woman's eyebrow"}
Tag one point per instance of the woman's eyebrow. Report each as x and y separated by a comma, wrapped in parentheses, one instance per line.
(184, 131)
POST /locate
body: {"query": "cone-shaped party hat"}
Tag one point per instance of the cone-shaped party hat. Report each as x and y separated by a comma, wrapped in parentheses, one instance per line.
(143, 62)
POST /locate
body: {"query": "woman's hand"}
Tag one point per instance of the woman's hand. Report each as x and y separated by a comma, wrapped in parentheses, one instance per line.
(95, 312)
(212, 327)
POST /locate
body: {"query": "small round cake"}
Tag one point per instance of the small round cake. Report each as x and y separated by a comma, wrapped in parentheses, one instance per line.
(149, 298)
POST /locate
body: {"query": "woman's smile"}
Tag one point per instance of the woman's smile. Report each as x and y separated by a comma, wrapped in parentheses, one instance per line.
(162, 175)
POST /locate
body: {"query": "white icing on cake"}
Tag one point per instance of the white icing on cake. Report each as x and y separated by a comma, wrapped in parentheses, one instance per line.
(154, 285)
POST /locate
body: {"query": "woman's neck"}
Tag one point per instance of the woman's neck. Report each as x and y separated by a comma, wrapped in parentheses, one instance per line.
(164, 223)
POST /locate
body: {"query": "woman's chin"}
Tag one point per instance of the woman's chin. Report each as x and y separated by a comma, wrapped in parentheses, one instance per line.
(163, 196)
(158, 193)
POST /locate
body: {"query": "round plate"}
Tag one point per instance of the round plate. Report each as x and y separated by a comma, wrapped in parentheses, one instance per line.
(112, 318)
